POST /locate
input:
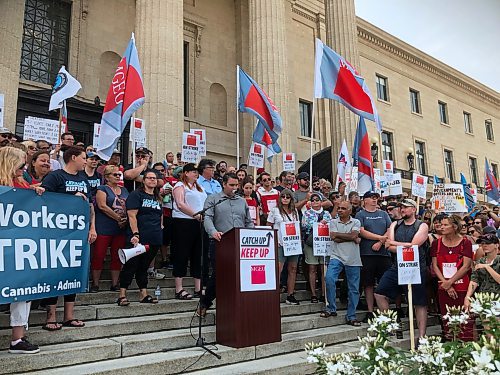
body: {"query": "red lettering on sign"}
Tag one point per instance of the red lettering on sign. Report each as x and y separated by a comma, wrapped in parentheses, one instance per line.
(258, 274)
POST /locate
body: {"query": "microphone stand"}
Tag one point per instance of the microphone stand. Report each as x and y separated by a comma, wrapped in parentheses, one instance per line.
(200, 341)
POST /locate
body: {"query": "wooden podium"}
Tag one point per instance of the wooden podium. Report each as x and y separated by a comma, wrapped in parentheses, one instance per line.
(248, 300)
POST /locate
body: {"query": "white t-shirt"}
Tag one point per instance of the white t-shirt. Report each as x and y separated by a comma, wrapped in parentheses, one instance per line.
(276, 219)
(193, 198)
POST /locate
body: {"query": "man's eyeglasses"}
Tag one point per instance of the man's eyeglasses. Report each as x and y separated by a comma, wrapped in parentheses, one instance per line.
(315, 200)
(161, 170)
(266, 179)
(477, 223)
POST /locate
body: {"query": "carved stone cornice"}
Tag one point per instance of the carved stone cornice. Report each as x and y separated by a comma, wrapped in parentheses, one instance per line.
(195, 29)
(307, 13)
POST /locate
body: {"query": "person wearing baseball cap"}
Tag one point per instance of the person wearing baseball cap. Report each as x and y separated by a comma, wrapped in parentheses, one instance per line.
(131, 174)
(302, 195)
(93, 176)
(6, 137)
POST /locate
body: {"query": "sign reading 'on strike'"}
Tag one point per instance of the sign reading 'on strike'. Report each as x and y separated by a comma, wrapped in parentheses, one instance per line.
(44, 250)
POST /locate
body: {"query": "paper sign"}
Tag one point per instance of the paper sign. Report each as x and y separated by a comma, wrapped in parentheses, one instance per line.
(353, 179)
(388, 166)
(2, 109)
(190, 148)
(322, 243)
(408, 265)
(449, 198)
(376, 180)
(138, 133)
(203, 140)
(289, 161)
(394, 184)
(290, 238)
(256, 156)
(419, 185)
(41, 129)
(97, 131)
(257, 260)
(449, 270)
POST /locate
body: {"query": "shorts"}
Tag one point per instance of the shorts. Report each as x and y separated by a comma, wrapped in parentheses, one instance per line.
(310, 258)
(388, 286)
(374, 267)
(282, 258)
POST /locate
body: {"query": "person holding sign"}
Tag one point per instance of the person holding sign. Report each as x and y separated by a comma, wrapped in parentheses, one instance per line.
(247, 187)
(452, 261)
(406, 232)
(286, 213)
(268, 195)
(344, 231)
(311, 216)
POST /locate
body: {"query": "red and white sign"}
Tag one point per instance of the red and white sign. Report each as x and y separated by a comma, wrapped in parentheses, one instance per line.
(394, 186)
(97, 131)
(138, 133)
(322, 243)
(203, 140)
(257, 260)
(290, 238)
(190, 148)
(388, 166)
(256, 156)
(419, 185)
(289, 161)
(408, 265)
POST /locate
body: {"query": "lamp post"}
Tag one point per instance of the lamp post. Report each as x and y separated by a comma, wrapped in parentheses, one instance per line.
(411, 159)
(374, 149)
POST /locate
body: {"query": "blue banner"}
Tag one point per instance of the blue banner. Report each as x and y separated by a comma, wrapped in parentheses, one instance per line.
(44, 249)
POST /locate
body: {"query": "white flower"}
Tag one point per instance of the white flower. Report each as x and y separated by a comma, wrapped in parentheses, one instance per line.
(484, 359)
(311, 359)
(381, 354)
(363, 353)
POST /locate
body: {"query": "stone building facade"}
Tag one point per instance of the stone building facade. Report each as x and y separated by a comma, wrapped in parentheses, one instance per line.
(189, 50)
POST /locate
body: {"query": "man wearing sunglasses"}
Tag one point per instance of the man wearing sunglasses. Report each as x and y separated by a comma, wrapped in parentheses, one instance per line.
(131, 174)
(6, 137)
(268, 195)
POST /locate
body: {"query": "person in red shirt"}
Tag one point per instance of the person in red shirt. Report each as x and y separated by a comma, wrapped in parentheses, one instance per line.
(268, 195)
(452, 260)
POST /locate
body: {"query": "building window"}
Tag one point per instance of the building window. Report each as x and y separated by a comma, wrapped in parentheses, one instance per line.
(489, 130)
(420, 156)
(382, 88)
(494, 170)
(186, 78)
(473, 170)
(448, 165)
(443, 112)
(387, 146)
(45, 39)
(467, 123)
(305, 111)
(415, 101)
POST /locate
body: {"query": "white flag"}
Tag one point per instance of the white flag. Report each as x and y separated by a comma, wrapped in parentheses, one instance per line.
(343, 162)
(64, 88)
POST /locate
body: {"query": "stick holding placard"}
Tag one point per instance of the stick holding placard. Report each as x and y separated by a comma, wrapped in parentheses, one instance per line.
(410, 310)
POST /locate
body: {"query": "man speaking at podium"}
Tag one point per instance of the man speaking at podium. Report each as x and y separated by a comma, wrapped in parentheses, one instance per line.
(224, 211)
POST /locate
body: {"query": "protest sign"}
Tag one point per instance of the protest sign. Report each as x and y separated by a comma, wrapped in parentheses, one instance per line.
(256, 155)
(408, 265)
(203, 140)
(44, 250)
(388, 166)
(138, 133)
(394, 184)
(322, 243)
(449, 198)
(190, 148)
(290, 238)
(289, 161)
(97, 131)
(376, 180)
(2, 106)
(473, 192)
(419, 185)
(257, 260)
(41, 129)
(353, 180)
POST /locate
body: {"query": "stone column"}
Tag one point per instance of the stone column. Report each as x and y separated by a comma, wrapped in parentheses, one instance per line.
(11, 37)
(159, 39)
(341, 35)
(268, 60)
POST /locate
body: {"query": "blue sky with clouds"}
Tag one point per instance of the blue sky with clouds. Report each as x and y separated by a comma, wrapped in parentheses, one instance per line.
(464, 34)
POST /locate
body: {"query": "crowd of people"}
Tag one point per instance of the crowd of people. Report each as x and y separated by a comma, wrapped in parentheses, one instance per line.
(176, 208)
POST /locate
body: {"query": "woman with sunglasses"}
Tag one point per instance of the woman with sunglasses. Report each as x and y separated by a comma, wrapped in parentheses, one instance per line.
(311, 216)
(248, 192)
(30, 150)
(285, 212)
(111, 224)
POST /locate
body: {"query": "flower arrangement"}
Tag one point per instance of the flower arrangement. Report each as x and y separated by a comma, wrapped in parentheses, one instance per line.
(432, 357)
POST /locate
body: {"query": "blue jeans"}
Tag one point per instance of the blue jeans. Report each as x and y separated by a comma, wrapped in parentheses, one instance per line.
(353, 275)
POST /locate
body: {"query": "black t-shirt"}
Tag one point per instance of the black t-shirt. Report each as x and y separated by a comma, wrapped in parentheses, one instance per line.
(149, 216)
(94, 181)
(129, 184)
(60, 181)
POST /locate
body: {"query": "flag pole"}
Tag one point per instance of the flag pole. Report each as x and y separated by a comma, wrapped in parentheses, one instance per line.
(312, 141)
(132, 127)
(60, 123)
(237, 117)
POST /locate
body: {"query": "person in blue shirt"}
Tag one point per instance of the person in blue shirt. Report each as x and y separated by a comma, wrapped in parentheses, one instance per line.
(206, 169)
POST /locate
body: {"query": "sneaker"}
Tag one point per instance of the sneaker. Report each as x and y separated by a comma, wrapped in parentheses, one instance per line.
(156, 275)
(114, 288)
(24, 347)
(291, 300)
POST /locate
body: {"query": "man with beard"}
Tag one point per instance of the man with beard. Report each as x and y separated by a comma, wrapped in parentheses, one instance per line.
(302, 195)
(355, 202)
(220, 171)
(394, 211)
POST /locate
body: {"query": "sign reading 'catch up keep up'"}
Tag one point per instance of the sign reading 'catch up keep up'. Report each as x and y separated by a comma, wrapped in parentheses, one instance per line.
(257, 260)
(290, 238)
(256, 155)
(408, 265)
(449, 198)
(44, 250)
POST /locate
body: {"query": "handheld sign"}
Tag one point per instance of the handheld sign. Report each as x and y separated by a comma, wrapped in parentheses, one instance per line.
(353, 179)
(449, 198)
(138, 133)
(203, 140)
(394, 184)
(289, 161)
(419, 185)
(290, 238)
(376, 180)
(408, 265)
(41, 129)
(322, 242)
(257, 260)
(190, 148)
(388, 166)
(97, 132)
(256, 155)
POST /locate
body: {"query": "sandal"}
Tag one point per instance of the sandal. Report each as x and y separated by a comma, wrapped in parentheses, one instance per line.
(314, 299)
(51, 329)
(283, 289)
(149, 299)
(197, 294)
(74, 323)
(122, 301)
(183, 295)
(354, 323)
(327, 314)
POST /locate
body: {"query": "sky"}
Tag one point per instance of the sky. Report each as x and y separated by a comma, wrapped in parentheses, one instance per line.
(464, 34)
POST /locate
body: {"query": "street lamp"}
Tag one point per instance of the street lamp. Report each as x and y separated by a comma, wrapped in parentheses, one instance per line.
(374, 149)
(411, 159)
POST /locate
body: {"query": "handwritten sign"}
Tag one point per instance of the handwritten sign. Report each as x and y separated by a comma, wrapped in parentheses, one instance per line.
(203, 140)
(256, 155)
(388, 166)
(289, 161)
(394, 185)
(408, 265)
(419, 185)
(290, 238)
(138, 133)
(41, 129)
(322, 243)
(353, 180)
(449, 198)
(190, 148)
